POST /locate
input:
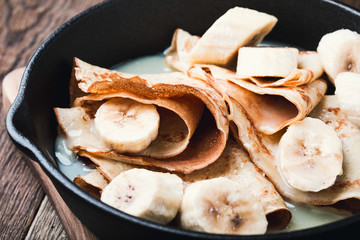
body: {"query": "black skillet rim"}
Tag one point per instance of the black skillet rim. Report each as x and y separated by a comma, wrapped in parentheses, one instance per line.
(34, 153)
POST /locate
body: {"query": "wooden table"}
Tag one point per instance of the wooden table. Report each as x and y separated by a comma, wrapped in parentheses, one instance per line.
(25, 209)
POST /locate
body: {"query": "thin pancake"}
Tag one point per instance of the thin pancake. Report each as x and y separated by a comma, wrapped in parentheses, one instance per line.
(271, 104)
(92, 183)
(271, 108)
(235, 164)
(309, 69)
(180, 100)
(263, 151)
(309, 65)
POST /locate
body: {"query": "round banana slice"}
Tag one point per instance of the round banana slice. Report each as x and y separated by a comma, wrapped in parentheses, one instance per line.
(310, 155)
(220, 205)
(127, 125)
(339, 51)
(347, 92)
(146, 194)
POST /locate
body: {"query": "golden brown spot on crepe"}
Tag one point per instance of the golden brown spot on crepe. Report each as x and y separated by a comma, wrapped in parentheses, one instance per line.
(340, 124)
(304, 96)
(104, 75)
(180, 136)
(91, 107)
(252, 131)
(304, 52)
(334, 110)
(345, 185)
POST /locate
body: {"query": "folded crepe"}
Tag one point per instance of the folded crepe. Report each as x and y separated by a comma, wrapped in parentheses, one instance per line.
(309, 69)
(309, 66)
(92, 183)
(271, 104)
(263, 150)
(234, 163)
(189, 137)
(270, 108)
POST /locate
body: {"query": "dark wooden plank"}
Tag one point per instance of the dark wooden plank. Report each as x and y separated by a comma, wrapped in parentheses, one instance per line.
(72, 225)
(24, 25)
(46, 223)
(74, 228)
(353, 3)
(20, 192)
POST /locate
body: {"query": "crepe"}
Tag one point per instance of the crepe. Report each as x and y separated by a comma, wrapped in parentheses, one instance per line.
(270, 108)
(309, 69)
(93, 183)
(189, 137)
(309, 66)
(263, 151)
(235, 164)
(271, 104)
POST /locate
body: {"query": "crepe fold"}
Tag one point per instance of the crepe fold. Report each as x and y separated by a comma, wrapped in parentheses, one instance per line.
(234, 163)
(189, 137)
(309, 69)
(93, 183)
(270, 108)
(263, 150)
(271, 104)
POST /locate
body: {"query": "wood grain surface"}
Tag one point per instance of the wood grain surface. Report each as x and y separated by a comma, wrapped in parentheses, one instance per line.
(25, 211)
(24, 25)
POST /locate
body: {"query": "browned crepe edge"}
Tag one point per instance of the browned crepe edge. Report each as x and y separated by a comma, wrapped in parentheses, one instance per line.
(260, 152)
(301, 99)
(95, 80)
(92, 183)
(276, 211)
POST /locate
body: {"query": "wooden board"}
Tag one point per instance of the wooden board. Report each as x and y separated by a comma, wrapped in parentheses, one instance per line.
(25, 211)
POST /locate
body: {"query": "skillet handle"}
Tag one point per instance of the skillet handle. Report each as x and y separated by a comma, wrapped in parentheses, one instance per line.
(13, 107)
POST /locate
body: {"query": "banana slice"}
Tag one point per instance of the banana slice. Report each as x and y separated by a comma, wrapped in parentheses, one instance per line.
(146, 194)
(310, 155)
(266, 61)
(236, 28)
(347, 92)
(127, 125)
(339, 51)
(220, 205)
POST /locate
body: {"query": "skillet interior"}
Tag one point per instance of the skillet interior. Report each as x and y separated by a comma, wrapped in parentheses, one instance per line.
(119, 30)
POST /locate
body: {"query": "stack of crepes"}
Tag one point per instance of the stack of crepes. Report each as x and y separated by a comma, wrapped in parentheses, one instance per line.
(262, 106)
(198, 105)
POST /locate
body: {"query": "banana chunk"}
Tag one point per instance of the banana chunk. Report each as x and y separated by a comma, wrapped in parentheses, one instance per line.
(310, 155)
(146, 194)
(340, 52)
(266, 61)
(220, 205)
(236, 28)
(127, 125)
(347, 92)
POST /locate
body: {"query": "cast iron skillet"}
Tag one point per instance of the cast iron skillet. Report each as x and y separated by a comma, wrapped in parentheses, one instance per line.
(114, 31)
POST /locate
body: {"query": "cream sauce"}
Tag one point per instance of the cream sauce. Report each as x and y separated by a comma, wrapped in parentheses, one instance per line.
(303, 216)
